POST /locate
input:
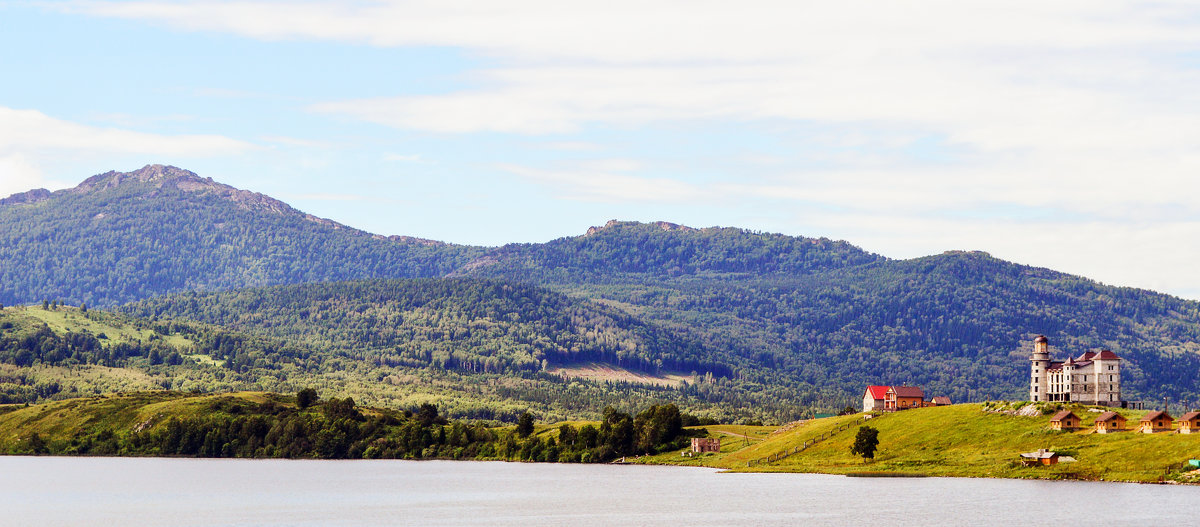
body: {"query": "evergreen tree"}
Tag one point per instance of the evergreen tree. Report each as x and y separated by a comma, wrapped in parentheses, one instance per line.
(525, 424)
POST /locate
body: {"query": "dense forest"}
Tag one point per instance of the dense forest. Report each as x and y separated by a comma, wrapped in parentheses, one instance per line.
(465, 324)
(958, 323)
(59, 352)
(275, 426)
(761, 325)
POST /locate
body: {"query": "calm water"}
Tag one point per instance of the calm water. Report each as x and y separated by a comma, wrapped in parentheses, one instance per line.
(187, 492)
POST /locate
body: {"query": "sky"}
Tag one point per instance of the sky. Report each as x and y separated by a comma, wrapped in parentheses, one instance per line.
(1058, 134)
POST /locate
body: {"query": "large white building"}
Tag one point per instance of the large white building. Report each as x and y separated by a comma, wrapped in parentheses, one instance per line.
(1091, 378)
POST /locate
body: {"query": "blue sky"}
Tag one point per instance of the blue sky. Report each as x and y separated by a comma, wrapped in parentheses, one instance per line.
(1061, 135)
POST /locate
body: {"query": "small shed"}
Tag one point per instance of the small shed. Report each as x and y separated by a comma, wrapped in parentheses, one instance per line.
(1110, 422)
(941, 400)
(1156, 422)
(1065, 420)
(1041, 457)
(1189, 423)
(705, 444)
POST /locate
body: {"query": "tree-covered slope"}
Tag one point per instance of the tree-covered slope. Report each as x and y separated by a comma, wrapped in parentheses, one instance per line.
(119, 237)
(822, 312)
(470, 325)
(661, 249)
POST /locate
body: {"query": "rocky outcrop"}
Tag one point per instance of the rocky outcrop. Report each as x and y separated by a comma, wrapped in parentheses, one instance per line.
(26, 198)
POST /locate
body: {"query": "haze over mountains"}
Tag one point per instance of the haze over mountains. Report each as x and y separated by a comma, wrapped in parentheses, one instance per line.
(765, 311)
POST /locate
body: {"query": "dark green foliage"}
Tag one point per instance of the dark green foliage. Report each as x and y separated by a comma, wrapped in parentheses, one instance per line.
(479, 326)
(306, 397)
(337, 429)
(958, 324)
(525, 424)
(865, 442)
(123, 237)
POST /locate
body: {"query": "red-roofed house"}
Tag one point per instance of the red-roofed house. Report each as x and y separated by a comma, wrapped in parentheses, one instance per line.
(873, 398)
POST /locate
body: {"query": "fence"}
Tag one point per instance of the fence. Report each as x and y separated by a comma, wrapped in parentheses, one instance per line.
(807, 443)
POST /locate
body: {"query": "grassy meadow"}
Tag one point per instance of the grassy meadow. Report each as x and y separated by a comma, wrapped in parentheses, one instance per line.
(961, 441)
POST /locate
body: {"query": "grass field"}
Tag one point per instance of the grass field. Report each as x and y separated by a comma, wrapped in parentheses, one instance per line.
(604, 372)
(963, 440)
(65, 318)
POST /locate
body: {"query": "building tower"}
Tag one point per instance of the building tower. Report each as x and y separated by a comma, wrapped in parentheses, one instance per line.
(1107, 379)
(1039, 363)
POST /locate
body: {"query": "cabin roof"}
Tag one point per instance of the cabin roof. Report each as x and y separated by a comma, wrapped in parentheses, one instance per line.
(1063, 415)
(1110, 416)
(1156, 415)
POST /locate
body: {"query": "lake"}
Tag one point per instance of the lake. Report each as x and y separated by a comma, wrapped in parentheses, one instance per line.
(46, 491)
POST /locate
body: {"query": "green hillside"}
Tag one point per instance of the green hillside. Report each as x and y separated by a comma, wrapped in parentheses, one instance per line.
(61, 352)
(781, 322)
(963, 441)
(959, 323)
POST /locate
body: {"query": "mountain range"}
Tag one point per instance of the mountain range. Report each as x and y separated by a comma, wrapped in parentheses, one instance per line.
(763, 313)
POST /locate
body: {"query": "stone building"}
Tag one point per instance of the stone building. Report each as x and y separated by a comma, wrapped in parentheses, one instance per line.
(705, 444)
(1091, 378)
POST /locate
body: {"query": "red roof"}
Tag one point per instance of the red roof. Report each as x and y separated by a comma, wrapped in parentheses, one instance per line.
(1109, 416)
(909, 391)
(1189, 416)
(1108, 355)
(941, 400)
(877, 392)
(1087, 356)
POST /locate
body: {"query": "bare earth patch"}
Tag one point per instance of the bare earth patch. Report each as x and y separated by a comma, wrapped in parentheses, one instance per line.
(595, 371)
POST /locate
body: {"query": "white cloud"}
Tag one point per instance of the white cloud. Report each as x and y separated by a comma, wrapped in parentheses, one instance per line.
(608, 180)
(18, 174)
(1085, 115)
(34, 131)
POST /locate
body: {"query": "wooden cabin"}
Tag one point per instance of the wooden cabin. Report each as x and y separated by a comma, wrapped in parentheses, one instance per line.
(1110, 422)
(1189, 423)
(1155, 422)
(1065, 420)
(941, 400)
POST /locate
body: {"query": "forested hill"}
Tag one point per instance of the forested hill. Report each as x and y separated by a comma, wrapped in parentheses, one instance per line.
(477, 326)
(119, 237)
(824, 312)
(771, 310)
(662, 249)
